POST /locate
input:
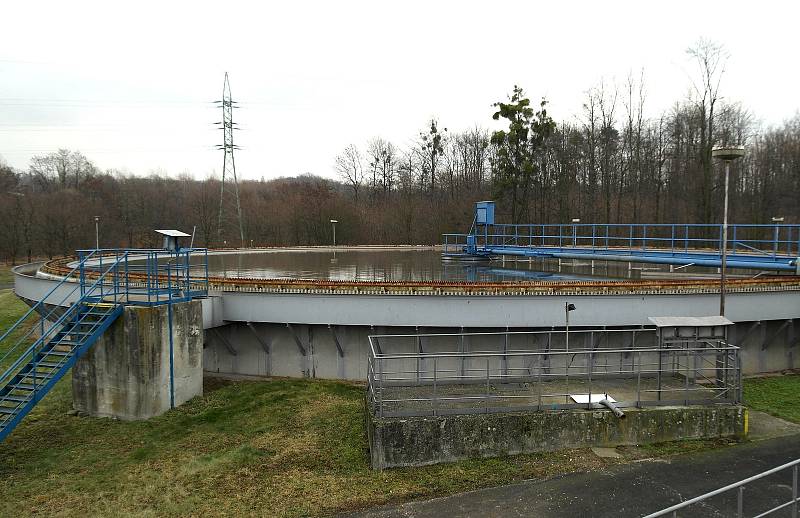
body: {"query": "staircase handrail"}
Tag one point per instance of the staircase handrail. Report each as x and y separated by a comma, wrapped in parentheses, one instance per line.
(40, 304)
(56, 325)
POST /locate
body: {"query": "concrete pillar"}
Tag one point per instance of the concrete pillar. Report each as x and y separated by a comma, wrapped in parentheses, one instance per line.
(126, 374)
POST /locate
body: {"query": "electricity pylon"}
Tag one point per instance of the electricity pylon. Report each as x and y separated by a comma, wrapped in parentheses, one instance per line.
(229, 189)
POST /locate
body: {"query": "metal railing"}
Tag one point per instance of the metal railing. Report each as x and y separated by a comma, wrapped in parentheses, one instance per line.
(117, 276)
(147, 276)
(442, 377)
(739, 487)
(762, 246)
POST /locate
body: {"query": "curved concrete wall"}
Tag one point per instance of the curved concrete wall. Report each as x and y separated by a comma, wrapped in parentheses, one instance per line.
(327, 333)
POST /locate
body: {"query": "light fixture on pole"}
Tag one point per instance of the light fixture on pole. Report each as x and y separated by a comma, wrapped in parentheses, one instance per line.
(575, 221)
(334, 222)
(727, 154)
(777, 220)
(97, 232)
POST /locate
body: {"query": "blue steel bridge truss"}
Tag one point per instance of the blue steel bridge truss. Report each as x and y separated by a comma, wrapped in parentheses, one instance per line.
(757, 247)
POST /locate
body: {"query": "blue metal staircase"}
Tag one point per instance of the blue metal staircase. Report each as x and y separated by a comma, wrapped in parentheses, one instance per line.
(47, 360)
(52, 336)
(41, 347)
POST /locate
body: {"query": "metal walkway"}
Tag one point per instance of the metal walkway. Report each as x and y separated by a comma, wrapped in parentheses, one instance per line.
(758, 247)
(46, 342)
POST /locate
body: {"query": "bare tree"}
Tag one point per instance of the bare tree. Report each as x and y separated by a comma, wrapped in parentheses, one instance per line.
(63, 169)
(350, 168)
(710, 59)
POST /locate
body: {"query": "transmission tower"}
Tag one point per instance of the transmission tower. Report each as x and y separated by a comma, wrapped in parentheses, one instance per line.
(229, 189)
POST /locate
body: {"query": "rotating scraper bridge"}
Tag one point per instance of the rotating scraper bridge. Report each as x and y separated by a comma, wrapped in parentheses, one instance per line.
(320, 328)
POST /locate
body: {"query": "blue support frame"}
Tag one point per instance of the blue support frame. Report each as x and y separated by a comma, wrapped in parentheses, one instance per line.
(759, 247)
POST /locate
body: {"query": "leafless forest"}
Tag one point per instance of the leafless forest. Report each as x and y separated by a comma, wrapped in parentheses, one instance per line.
(612, 163)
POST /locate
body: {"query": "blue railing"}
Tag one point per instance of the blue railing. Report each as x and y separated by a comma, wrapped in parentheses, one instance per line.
(148, 276)
(749, 246)
(50, 322)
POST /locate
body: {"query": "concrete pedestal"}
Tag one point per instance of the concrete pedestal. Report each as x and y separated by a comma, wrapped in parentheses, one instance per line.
(126, 374)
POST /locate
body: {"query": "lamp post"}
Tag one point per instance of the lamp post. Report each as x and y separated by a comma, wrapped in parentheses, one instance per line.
(334, 222)
(567, 308)
(727, 154)
(777, 220)
(97, 232)
(575, 221)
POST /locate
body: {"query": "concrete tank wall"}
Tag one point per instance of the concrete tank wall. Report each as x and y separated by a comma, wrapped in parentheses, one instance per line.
(269, 349)
(126, 374)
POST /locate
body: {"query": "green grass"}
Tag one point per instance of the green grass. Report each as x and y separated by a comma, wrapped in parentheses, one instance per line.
(6, 277)
(11, 309)
(279, 448)
(776, 395)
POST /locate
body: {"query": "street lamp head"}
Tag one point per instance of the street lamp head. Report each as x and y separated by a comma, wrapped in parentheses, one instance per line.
(334, 221)
(576, 220)
(777, 219)
(570, 307)
(728, 153)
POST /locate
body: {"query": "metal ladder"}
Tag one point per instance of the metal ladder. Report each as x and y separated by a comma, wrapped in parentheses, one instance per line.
(50, 338)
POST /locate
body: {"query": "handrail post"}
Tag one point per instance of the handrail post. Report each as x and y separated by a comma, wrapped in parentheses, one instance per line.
(591, 368)
(672, 241)
(639, 381)
(82, 272)
(740, 502)
(435, 395)
(486, 406)
(644, 238)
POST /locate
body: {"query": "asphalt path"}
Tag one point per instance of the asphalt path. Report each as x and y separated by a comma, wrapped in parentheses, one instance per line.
(634, 489)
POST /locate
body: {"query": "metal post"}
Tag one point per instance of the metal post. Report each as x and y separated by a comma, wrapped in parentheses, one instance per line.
(794, 492)
(740, 502)
(639, 381)
(566, 356)
(724, 243)
(591, 368)
(171, 346)
(97, 232)
(775, 242)
(435, 395)
(487, 385)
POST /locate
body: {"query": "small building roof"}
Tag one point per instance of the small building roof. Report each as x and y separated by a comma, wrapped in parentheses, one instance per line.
(710, 321)
(173, 233)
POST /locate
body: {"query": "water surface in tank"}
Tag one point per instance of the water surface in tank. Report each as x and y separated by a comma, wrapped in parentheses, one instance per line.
(427, 265)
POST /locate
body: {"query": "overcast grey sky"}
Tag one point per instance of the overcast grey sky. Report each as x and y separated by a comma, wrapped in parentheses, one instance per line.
(130, 84)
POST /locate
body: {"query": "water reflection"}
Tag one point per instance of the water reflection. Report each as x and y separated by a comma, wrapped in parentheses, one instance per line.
(401, 265)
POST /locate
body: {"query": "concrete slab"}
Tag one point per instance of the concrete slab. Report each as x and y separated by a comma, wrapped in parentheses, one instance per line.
(606, 453)
(765, 426)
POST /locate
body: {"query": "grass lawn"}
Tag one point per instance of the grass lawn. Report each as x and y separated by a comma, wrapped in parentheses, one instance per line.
(6, 277)
(279, 448)
(11, 309)
(778, 395)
